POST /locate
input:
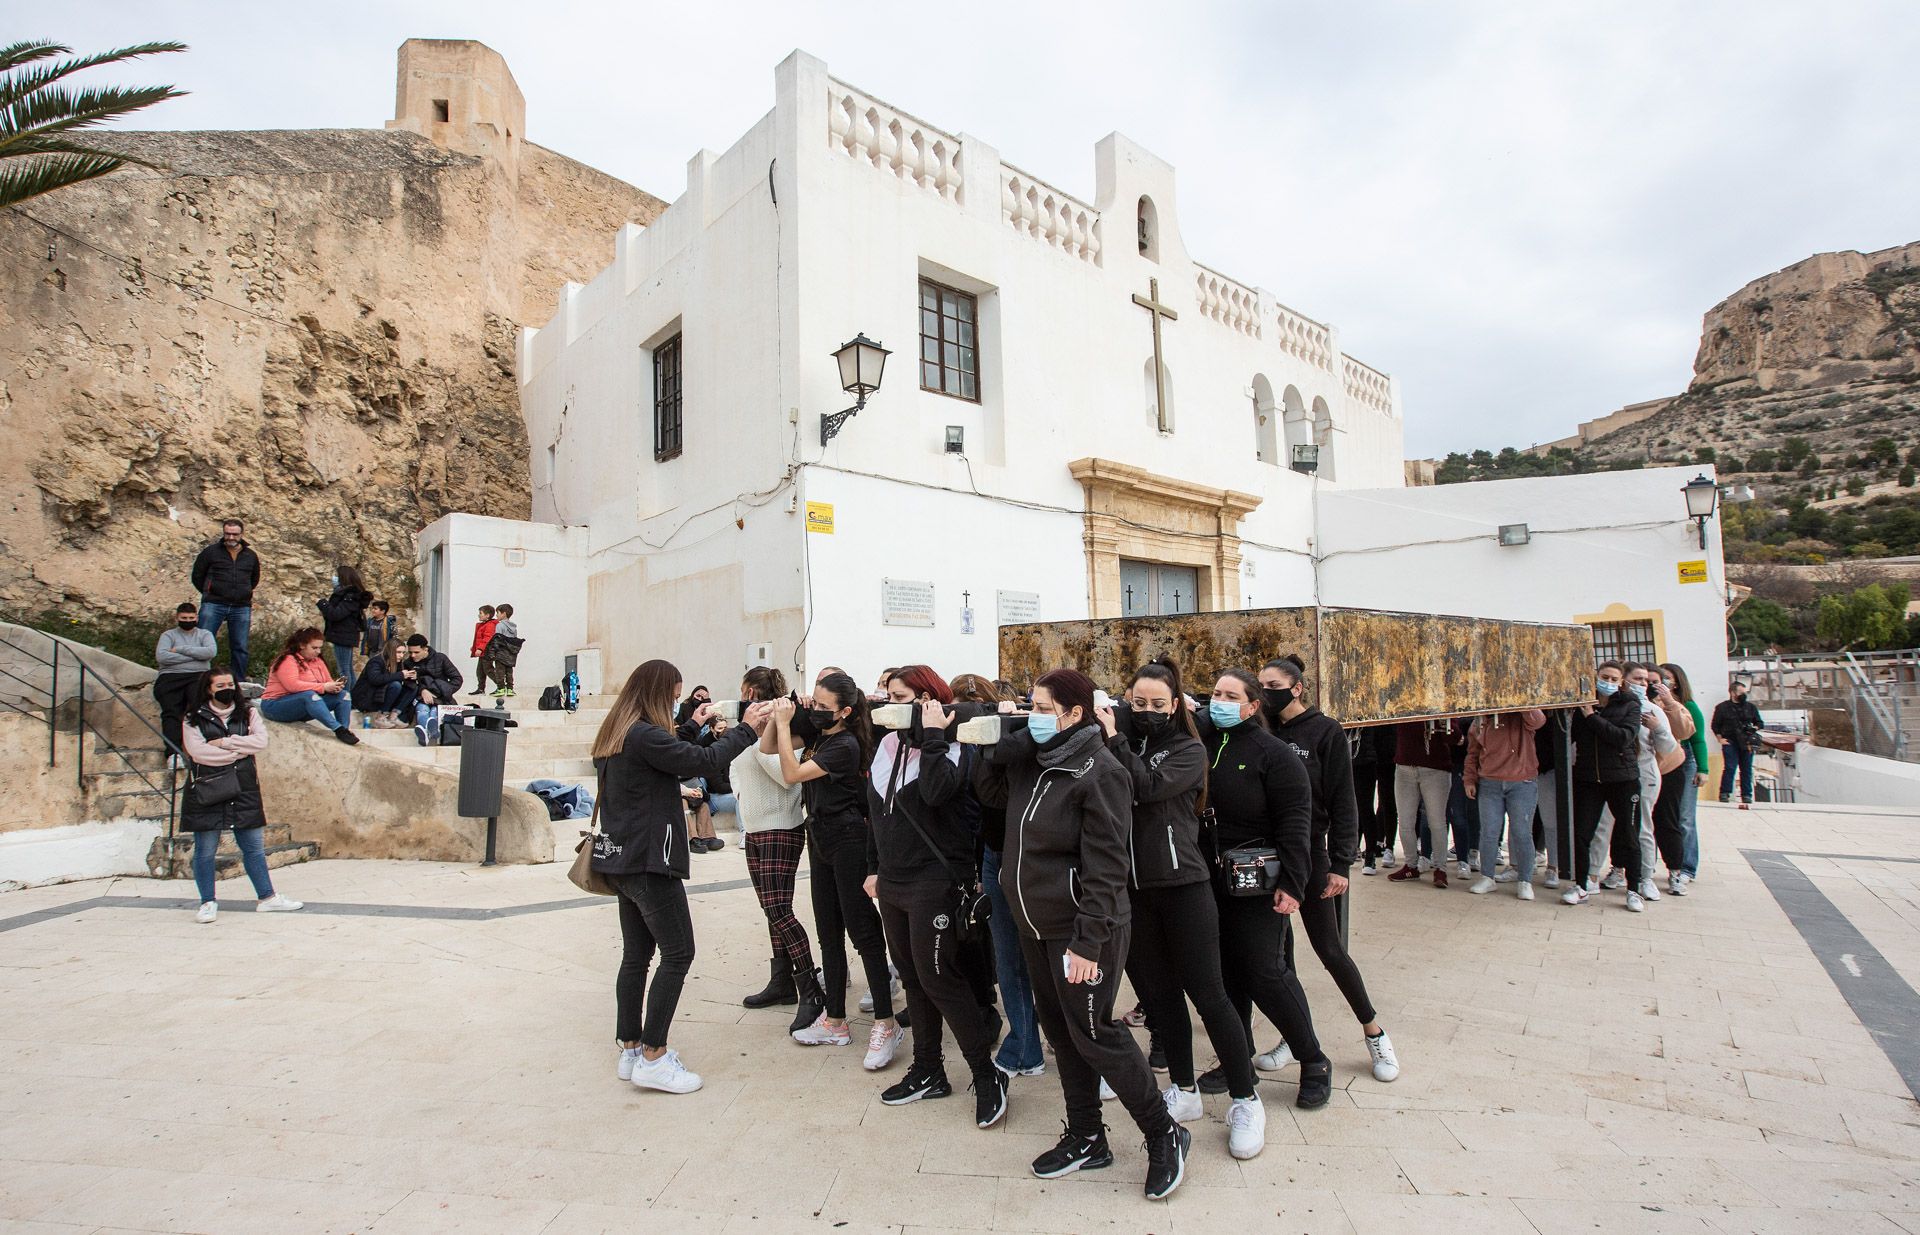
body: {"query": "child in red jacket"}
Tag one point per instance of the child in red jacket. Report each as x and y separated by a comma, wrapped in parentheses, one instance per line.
(482, 635)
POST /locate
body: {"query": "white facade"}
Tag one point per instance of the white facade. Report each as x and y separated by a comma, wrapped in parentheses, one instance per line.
(820, 223)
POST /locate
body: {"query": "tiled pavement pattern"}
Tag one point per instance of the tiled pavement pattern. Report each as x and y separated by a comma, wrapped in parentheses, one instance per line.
(432, 1054)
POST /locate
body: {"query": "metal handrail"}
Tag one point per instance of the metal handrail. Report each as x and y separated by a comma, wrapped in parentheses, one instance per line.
(82, 727)
(1885, 709)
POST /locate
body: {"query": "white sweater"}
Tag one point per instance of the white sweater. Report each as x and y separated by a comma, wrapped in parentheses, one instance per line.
(763, 800)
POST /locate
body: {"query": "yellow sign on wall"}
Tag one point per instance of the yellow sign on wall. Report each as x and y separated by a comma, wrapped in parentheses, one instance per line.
(820, 517)
(1693, 572)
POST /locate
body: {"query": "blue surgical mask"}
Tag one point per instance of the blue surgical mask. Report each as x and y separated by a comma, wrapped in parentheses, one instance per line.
(1223, 714)
(1606, 688)
(1639, 692)
(1043, 726)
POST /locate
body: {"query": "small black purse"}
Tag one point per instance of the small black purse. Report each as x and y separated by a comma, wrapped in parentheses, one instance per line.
(215, 788)
(972, 909)
(1250, 870)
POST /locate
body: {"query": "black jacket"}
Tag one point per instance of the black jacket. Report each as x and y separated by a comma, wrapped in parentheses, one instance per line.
(1734, 720)
(1259, 791)
(940, 799)
(344, 616)
(226, 579)
(244, 811)
(643, 821)
(1167, 774)
(370, 685)
(1069, 815)
(1374, 745)
(1606, 744)
(436, 673)
(1322, 745)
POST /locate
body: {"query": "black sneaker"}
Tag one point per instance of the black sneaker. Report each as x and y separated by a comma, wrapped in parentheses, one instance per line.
(347, 735)
(989, 1097)
(1167, 1161)
(1074, 1153)
(1213, 1080)
(1156, 1056)
(1316, 1085)
(917, 1084)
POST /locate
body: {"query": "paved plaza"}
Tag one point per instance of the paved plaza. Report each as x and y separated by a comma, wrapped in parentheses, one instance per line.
(428, 1048)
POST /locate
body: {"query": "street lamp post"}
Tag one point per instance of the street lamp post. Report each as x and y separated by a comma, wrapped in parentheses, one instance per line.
(861, 363)
(1702, 496)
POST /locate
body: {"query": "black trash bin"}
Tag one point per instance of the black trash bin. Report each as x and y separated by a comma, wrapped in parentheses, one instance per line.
(483, 769)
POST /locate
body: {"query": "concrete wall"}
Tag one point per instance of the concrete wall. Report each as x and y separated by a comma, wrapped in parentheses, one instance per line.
(1842, 778)
(537, 568)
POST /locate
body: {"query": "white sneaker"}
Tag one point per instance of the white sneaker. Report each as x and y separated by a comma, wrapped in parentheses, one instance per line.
(629, 1056)
(1246, 1127)
(1279, 1059)
(1574, 895)
(822, 1034)
(1524, 891)
(1386, 1065)
(1368, 869)
(1106, 1091)
(208, 912)
(882, 1045)
(1426, 864)
(1677, 883)
(1647, 891)
(1553, 878)
(1509, 875)
(279, 904)
(666, 1074)
(1615, 880)
(1473, 860)
(1183, 1104)
(1635, 904)
(893, 990)
(1481, 886)
(1466, 868)
(1387, 860)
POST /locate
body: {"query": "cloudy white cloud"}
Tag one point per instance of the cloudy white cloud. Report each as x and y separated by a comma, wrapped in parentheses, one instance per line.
(1520, 209)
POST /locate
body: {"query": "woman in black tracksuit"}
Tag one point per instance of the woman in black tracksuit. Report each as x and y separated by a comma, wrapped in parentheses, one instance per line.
(1069, 816)
(1322, 745)
(920, 849)
(1175, 953)
(1261, 795)
(641, 848)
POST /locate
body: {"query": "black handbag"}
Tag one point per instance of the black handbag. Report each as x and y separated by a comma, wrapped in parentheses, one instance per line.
(972, 910)
(1250, 870)
(215, 788)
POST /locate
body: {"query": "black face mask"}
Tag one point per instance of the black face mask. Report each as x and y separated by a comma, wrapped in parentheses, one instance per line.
(823, 718)
(225, 696)
(189, 623)
(1152, 724)
(1278, 698)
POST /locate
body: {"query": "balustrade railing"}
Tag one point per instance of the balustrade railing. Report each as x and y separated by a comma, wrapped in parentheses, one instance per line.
(1226, 301)
(1035, 208)
(908, 148)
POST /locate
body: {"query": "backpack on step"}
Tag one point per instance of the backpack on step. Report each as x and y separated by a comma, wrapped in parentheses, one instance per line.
(551, 700)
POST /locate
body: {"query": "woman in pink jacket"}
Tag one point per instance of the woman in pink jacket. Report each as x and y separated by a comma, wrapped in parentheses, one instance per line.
(1500, 776)
(220, 731)
(300, 687)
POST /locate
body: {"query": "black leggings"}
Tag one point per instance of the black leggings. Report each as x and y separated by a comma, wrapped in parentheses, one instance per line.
(653, 915)
(926, 948)
(1320, 917)
(1373, 793)
(841, 910)
(1669, 831)
(1622, 797)
(1088, 1044)
(1176, 957)
(1254, 955)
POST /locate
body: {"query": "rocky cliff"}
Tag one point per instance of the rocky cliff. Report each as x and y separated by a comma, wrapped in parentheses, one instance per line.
(311, 330)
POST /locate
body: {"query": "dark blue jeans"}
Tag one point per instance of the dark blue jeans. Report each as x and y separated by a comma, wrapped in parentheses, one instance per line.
(253, 856)
(239, 620)
(1021, 1049)
(343, 657)
(335, 711)
(1733, 757)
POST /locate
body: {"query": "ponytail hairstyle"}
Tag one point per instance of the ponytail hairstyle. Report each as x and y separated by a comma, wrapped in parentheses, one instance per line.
(847, 694)
(1070, 688)
(1162, 669)
(295, 641)
(974, 688)
(1290, 667)
(763, 682)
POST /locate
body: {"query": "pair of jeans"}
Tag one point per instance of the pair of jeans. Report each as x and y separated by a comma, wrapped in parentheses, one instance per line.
(335, 711)
(1021, 1050)
(1175, 956)
(343, 659)
(1690, 821)
(1732, 757)
(253, 856)
(1671, 817)
(1546, 788)
(1413, 788)
(653, 917)
(924, 940)
(1507, 805)
(390, 696)
(1256, 962)
(1088, 1044)
(239, 622)
(841, 910)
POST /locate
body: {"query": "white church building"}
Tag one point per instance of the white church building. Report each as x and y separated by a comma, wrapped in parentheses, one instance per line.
(1077, 418)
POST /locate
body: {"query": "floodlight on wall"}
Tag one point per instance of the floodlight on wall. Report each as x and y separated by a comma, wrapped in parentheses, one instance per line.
(1514, 534)
(861, 362)
(1306, 459)
(1702, 496)
(956, 439)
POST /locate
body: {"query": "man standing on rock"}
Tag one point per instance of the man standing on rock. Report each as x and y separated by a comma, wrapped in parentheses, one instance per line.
(226, 573)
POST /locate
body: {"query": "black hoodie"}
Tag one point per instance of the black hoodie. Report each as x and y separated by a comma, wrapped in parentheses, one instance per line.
(938, 798)
(1322, 745)
(1069, 815)
(1259, 791)
(1606, 743)
(1168, 773)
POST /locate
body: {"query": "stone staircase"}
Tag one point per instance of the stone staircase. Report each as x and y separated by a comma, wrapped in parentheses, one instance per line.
(544, 746)
(172, 857)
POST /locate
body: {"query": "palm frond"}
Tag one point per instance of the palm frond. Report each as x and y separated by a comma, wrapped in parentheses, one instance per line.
(27, 51)
(18, 85)
(60, 145)
(59, 110)
(29, 177)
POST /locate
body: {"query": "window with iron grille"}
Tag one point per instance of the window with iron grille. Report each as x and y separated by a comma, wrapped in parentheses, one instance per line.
(666, 400)
(949, 356)
(1623, 641)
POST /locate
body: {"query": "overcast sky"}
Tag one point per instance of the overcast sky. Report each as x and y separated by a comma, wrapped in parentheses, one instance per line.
(1520, 210)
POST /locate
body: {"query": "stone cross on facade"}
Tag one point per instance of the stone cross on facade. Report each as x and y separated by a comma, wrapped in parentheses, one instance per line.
(1155, 310)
